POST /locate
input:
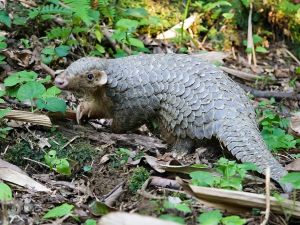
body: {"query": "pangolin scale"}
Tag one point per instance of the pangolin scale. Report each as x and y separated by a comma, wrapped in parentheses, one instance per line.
(191, 98)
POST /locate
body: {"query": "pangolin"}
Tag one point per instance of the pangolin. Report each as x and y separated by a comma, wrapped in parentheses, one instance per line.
(191, 99)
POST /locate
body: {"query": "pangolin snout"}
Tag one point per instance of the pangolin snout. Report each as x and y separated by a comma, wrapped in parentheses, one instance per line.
(61, 82)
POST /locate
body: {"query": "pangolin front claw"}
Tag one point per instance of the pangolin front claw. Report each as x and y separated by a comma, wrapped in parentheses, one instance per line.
(82, 109)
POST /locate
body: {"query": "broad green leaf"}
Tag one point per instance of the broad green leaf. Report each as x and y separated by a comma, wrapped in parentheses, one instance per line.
(100, 48)
(202, 178)
(246, 3)
(210, 218)
(63, 167)
(5, 192)
(3, 112)
(183, 208)
(136, 42)
(3, 45)
(2, 92)
(127, 24)
(175, 219)
(137, 12)
(233, 220)
(4, 18)
(52, 104)
(20, 77)
(52, 92)
(45, 80)
(59, 211)
(292, 178)
(62, 50)
(48, 51)
(90, 222)
(30, 90)
(261, 49)
(228, 15)
(99, 208)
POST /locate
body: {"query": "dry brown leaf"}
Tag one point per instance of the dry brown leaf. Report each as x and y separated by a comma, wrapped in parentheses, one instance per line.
(295, 124)
(293, 166)
(15, 175)
(122, 218)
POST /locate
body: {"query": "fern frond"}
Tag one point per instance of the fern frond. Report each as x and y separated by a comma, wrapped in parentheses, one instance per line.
(49, 10)
(107, 9)
(81, 9)
(58, 33)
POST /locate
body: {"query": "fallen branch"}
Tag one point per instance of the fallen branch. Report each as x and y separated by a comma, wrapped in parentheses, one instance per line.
(240, 74)
(119, 139)
(270, 94)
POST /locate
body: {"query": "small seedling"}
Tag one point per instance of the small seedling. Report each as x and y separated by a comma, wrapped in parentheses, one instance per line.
(231, 175)
(60, 165)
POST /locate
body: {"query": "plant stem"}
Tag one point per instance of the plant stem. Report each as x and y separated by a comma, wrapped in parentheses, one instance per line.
(186, 11)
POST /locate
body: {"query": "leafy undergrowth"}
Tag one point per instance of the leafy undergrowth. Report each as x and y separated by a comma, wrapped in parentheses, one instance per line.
(89, 177)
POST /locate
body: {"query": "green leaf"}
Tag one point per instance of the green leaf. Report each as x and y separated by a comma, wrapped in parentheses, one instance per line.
(233, 220)
(261, 49)
(90, 222)
(52, 92)
(63, 167)
(3, 45)
(2, 92)
(136, 12)
(202, 178)
(210, 218)
(127, 24)
(62, 50)
(59, 211)
(4, 18)
(182, 207)
(292, 178)
(246, 3)
(99, 208)
(48, 51)
(45, 80)
(136, 42)
(175, 219)
(30, 90)
(20, 77)
(228, 15)
(52, 104)
(87, 168)
(257, 39)
(5, 192)
(3, 112)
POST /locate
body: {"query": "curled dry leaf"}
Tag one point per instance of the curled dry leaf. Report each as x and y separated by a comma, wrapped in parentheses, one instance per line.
(122, 218)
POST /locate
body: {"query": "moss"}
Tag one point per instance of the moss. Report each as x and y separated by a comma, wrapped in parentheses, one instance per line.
(138, 178)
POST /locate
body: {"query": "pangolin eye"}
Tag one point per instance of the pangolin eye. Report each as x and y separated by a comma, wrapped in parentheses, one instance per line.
(90, 76)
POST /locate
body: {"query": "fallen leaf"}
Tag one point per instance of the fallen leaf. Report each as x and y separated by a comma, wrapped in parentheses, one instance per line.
(293, 166)
(15, 175)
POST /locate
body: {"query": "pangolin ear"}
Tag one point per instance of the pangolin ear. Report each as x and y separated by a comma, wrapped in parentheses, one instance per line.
(102, 78)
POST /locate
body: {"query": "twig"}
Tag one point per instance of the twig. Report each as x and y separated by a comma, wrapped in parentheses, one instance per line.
(112, 42)
(268, 205)
(292, 56)
(250, 37)
(270, 94)
(240, 74)
(37, 162)
(69, 142)
(47, 69)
